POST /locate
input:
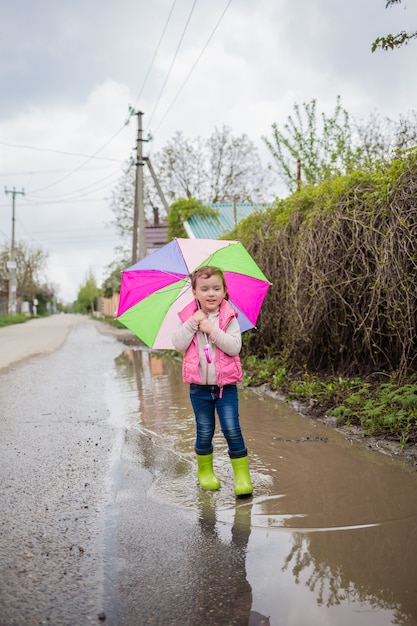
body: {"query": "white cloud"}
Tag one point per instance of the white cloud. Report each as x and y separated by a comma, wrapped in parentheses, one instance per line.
(66, 206)
(78, 66)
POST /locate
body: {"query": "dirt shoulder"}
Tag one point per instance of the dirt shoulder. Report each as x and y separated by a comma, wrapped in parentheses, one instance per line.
(121, 334)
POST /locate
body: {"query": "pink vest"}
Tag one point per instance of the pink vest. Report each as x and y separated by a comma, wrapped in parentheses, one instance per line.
(228, 368)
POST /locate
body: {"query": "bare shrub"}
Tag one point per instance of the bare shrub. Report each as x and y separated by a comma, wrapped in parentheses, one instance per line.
(342, 258)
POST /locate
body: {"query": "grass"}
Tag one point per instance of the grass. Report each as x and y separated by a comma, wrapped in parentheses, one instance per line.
(8, 320)
(113, 322)
(385, 410)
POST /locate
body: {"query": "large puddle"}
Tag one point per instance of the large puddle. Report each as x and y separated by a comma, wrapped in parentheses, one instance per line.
(330, 535)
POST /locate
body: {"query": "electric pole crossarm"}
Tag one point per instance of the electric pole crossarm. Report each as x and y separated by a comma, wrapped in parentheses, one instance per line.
(157, 185)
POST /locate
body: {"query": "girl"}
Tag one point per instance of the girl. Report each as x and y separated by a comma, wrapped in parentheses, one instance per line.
(210, 337)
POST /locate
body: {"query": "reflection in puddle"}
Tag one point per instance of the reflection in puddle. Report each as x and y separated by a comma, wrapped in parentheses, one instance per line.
(330, 535)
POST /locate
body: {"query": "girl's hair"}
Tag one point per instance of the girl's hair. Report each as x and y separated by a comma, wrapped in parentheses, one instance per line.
(206, 272)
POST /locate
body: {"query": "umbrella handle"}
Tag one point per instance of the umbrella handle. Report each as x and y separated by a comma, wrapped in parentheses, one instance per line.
(207, 351)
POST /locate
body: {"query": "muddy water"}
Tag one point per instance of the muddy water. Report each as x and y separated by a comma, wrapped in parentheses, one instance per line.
(330, 535)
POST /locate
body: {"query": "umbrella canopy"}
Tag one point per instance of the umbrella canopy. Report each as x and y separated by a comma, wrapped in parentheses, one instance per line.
(157, 288)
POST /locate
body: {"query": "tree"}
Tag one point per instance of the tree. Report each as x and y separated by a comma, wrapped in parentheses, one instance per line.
(122, 202)
(389, 42)
(45, 296)
(87, 295)
(323, 150)
(382, 138)
(181, 211)
(30, 265)
(221, 169)
(181, 168)
(337, 145)
(111, 284)
(235, 170)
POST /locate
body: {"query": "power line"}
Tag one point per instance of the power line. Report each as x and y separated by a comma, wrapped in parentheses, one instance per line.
(173, 60)
(70, 196)
(98, 238)
(76, 154)
(88, 157)
(67, 230)
(5, 235)
(154, 55)
(75, 200)
(81, 235)
(60, 180)
(110, 178)
(53, 171)
(193, 66)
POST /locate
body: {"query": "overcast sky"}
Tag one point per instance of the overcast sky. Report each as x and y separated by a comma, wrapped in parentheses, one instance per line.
(70, 69)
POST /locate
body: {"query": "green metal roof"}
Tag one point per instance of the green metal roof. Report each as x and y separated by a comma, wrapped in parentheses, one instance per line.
(214, 227)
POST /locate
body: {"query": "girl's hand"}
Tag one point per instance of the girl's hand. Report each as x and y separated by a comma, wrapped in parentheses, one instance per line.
(206, 326)
(199, 316)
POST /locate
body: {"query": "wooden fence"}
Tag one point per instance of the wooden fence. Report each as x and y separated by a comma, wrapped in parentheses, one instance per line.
(108, 306)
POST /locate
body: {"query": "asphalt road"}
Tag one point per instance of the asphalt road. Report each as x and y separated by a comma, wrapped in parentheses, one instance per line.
(81, 541)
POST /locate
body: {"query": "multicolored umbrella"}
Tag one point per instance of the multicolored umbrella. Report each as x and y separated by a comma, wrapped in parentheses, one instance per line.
(155, 289)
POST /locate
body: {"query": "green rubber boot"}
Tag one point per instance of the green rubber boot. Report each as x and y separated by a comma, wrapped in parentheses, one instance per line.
(243, 484)
(205, 474)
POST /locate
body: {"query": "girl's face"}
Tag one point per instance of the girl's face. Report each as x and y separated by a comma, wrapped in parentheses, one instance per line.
(209, 292)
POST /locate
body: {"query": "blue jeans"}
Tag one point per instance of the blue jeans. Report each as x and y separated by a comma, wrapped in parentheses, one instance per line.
(205, 400)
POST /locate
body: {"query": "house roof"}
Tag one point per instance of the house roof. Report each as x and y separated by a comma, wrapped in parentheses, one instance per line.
(228, 216)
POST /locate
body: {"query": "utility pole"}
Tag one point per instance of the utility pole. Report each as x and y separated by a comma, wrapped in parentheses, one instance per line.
(11, 265)
(139, 210)
(139, 213)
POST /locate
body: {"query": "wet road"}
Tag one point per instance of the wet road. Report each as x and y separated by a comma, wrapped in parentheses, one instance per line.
(100, 510)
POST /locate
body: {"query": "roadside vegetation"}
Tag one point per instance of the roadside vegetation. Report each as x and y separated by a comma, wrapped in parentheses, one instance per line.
(8, 320)
(338, 329)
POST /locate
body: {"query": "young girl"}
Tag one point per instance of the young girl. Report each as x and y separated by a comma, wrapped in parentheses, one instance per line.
(210, 337)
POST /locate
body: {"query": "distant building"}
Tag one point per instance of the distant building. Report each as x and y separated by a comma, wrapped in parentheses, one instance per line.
(4, 301)
(156, 232)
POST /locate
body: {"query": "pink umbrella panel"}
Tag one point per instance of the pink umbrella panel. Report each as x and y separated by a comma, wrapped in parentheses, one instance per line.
(158, 287)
